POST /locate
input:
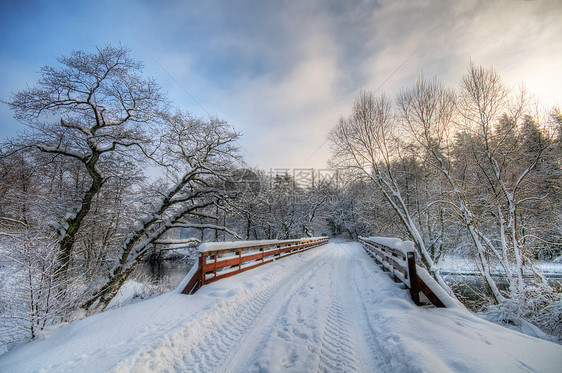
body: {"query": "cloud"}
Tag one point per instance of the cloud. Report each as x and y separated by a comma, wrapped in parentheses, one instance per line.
(513, 36)
(283, 71)
(289, 111)
(313, 60)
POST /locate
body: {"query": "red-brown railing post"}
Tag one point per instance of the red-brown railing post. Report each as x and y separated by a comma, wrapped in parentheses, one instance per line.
(202, 263)
(196, 281)
(413, 277)
(214, 257)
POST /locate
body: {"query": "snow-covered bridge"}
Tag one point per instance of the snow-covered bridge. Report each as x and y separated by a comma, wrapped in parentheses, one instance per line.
(327, 309)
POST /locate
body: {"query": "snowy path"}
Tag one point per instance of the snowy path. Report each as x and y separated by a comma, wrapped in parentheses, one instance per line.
(300, 320)
(330, 309)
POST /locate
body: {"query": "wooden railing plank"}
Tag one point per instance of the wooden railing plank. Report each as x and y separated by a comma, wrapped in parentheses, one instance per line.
(402, 266)
(213, 268)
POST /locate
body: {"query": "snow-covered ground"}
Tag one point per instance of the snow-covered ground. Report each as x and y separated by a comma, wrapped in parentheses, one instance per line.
(460, 265)
(327, 309)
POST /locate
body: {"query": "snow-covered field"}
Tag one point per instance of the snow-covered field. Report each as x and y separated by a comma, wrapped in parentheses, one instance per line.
(328, 309)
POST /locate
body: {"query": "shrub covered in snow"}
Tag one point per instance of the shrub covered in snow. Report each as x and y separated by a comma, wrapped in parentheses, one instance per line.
(536, 311)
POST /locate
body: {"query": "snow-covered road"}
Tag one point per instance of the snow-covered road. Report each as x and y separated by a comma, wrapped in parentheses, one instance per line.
(301, 319)
(329, 309)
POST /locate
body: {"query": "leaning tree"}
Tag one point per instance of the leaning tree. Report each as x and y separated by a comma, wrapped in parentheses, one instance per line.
(87, 111)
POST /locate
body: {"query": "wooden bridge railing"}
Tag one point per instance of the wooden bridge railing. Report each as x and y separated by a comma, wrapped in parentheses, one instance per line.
(219, 260)
(399, 258)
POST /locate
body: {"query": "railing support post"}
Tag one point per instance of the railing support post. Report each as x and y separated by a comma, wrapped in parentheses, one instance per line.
(200, 273)
(197, 280)
(413, 277)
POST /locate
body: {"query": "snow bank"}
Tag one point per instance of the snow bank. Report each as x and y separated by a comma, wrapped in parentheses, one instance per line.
(447, 300)
(229, 245)
(130, 290)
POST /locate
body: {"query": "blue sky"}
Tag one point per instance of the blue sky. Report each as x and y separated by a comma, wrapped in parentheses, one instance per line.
(282, 72)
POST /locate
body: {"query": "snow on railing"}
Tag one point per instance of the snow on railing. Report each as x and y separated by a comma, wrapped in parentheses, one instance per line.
(219, 260)
(399, 258)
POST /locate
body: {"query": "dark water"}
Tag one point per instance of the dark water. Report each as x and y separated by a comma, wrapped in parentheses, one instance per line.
(170, 271)
(473, 292)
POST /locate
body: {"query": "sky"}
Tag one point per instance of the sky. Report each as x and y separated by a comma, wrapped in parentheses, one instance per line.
(283, 72)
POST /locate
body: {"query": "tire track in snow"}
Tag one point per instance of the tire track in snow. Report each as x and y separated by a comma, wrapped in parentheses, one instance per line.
(321, 336)
(209, 353)
(337, 353)
(342, 344)
(272, 315)
(367, 290)
(201, 345)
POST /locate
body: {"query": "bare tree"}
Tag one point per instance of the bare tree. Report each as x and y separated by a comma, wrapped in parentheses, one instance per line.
(99, 104)
(195, 154)
(486, 145)
(509, 143)
(485, 102)
(366, 141)
(427, 112)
